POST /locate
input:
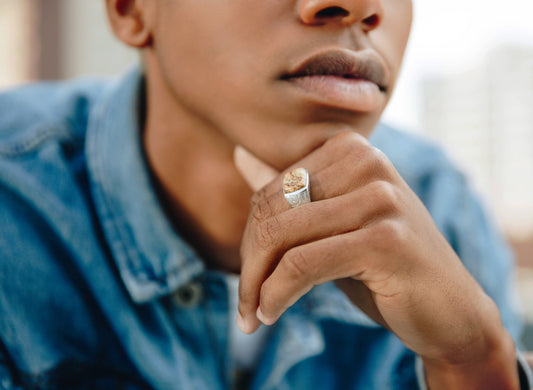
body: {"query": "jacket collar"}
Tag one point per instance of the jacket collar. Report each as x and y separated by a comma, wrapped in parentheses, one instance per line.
(151, 258)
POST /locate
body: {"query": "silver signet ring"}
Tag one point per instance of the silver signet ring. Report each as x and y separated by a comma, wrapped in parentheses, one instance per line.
(296, 187)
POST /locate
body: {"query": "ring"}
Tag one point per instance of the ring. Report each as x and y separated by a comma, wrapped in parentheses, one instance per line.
(296, 187)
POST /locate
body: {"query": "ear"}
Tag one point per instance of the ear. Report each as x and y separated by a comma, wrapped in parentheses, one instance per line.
(131, 21)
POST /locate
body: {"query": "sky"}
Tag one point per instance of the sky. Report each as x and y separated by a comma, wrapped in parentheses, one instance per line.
(451, 36)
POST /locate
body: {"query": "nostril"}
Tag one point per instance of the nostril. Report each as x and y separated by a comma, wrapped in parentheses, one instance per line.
(332, 12)
(371, 21)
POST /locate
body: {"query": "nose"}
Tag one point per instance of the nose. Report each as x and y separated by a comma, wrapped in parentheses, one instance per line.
(345, 12)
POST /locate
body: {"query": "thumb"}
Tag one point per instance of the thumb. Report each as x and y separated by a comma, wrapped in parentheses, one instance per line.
(254, 171)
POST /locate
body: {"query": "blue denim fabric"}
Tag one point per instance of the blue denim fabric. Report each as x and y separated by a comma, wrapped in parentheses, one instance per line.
(96, 286)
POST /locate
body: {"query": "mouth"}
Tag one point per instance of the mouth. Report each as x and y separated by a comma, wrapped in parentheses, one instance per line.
(355, 81)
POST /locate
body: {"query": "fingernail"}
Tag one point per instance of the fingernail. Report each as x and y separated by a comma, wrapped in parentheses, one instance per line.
(260, 315)
(242, 324)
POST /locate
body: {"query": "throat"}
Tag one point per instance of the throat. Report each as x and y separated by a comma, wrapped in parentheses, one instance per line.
(216, 240)
(191, 160)
(205, 198)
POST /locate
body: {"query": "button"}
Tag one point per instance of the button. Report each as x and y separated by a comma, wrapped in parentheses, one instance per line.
(188, 295)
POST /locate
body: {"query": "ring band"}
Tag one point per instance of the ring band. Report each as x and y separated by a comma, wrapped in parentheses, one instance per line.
(296, 187)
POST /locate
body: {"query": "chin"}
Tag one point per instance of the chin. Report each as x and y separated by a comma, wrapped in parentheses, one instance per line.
(287, 147)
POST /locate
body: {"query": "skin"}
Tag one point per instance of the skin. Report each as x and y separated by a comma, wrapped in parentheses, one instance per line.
(214, 82)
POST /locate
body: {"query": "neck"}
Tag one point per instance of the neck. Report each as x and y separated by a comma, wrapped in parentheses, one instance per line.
(205, 196)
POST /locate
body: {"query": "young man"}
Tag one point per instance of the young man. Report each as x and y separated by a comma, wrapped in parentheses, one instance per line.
(126, 216)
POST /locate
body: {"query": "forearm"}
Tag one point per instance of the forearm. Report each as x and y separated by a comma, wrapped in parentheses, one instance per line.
(496, 370)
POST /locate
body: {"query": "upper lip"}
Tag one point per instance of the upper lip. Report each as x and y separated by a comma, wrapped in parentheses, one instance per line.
(343, 63)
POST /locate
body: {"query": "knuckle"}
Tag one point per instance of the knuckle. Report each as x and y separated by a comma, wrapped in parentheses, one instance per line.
(346, 142)
(261, 206)
(258, 197)
(266, 300)
(297, 264)
(385, 196)
(390, 231)
(350, 138)
(268, 233)
(375, 163)
(378, 154)
(382, 161)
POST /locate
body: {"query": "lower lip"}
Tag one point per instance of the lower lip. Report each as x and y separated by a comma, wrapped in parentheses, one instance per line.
(344, 93)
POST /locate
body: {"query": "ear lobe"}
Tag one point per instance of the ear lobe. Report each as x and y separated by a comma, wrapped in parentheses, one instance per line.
(130, 21)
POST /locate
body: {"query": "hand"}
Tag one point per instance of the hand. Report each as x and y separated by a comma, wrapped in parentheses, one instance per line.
(370, 233)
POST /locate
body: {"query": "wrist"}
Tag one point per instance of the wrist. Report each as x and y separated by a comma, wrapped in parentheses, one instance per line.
(496, 369)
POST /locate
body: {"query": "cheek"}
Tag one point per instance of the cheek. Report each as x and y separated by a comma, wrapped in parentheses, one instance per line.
(208, 58)
(211, 40)
(187, 54)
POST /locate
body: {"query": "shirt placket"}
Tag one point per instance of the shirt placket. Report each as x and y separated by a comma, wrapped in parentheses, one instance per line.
(199, 312)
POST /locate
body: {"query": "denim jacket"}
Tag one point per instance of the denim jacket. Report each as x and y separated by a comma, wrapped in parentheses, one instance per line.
(97, 291)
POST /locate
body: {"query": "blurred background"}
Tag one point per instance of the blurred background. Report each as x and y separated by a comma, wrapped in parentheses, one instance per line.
(467, 83)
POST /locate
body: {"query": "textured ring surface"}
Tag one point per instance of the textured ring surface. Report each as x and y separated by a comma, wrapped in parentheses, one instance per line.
(296, 187)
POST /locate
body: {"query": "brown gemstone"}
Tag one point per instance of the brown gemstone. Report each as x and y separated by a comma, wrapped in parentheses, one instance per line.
(294, 180)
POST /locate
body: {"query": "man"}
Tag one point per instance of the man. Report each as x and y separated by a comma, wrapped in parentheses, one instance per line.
(126, 216)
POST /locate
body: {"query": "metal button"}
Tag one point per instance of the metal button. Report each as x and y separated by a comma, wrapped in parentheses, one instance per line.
(188, 295)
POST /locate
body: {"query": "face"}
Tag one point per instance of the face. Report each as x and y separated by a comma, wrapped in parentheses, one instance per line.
(279, 77)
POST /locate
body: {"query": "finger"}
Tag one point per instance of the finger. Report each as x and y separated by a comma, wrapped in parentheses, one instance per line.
(350, 172)
(265, 243)
(256, 172)
(267, 240)
(333, 150)
(334, 181)
(312, 264)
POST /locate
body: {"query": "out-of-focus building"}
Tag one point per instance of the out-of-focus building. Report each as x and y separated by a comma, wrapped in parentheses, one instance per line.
(17, 58)
(484, 117)
(57, 39)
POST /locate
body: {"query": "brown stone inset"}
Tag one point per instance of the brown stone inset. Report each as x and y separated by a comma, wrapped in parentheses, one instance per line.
(294, 180)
